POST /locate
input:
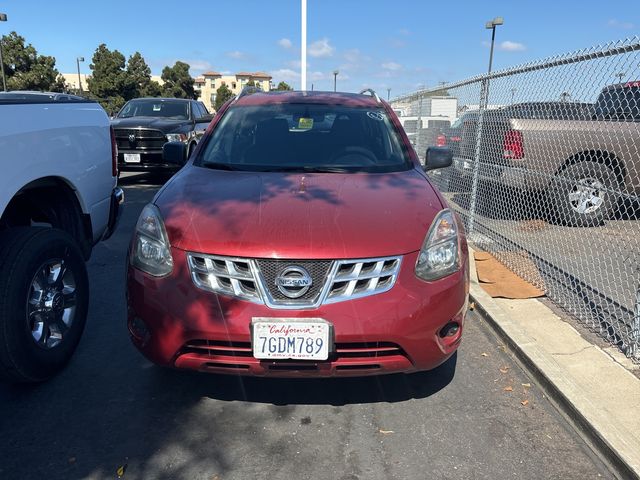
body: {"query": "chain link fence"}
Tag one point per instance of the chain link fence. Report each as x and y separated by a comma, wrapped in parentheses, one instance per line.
(546, 176)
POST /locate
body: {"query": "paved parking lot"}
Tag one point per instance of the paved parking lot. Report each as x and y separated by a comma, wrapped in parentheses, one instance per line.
(480, 418)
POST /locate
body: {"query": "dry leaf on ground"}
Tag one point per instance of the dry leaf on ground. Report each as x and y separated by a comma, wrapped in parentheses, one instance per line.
(526, 385)
(508, 389)
(484, 354)
(121, 469)
(386, 432)
(504, 369)
(525, 403)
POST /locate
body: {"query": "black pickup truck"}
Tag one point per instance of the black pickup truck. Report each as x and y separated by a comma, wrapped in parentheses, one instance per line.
(144, 125)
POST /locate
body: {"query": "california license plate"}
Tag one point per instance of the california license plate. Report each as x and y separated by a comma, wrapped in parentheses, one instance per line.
(291, 338)
(131, 158)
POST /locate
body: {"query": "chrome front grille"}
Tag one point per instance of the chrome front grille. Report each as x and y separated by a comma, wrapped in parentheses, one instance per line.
(229, 276)
(255, 279)
(360, 278)
(270, 269)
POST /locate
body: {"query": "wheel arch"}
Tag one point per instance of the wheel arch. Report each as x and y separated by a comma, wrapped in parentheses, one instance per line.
(604, 157)
(50, 200)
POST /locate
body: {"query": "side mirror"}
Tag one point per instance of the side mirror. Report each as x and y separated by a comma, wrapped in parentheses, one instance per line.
(175, 153)
(204, 119)
(438, 157)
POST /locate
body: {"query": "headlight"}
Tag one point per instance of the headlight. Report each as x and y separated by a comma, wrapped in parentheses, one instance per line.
(151, 248)
(176, 137)
(439, 254)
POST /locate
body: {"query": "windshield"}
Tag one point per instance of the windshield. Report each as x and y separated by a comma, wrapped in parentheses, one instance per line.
(302, 137)
(155, 107)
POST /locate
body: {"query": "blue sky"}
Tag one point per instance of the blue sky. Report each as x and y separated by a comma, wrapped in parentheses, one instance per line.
(398, 44)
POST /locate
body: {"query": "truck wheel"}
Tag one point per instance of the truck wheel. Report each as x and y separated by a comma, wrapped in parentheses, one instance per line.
(44, 299)
(584, 194)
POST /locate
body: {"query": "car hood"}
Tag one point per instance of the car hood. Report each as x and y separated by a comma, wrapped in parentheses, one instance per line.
(166, 125)
(286, 215)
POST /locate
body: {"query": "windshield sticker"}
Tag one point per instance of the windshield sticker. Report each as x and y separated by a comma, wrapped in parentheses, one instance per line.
(156, 108)
(305, 123)
(376, 115)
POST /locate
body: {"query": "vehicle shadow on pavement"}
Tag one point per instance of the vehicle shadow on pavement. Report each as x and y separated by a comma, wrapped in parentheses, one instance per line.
(327, 391)
(154, 179)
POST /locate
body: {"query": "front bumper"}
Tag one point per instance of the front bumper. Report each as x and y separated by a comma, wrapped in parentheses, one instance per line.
(511, 176)
(115, 211)
(173, 323)
(150, 160)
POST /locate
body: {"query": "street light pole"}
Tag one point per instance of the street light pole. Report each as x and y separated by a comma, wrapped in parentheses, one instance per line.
(335, 76)
(491, 25)
(388, 93)
(484, 102)
(3, 18)
(78, 60)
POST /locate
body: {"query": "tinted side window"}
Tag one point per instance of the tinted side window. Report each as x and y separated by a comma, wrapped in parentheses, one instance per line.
(619, 103)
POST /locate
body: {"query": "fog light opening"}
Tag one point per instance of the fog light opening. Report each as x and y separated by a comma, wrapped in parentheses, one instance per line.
(451, 329)
(139, 329)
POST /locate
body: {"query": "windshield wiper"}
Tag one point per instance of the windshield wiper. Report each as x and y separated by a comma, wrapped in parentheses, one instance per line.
(221, 166)
(307, 169)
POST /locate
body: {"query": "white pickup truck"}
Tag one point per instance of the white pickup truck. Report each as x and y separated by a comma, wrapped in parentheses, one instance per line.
(58, 198)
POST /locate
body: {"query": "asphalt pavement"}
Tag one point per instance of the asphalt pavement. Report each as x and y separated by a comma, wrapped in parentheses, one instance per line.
(481, 417)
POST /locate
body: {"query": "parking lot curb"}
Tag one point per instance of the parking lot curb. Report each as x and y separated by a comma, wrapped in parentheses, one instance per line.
(611, 440)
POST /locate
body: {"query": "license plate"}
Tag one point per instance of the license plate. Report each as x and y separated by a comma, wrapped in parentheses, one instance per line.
(290, 338)
(131, 158)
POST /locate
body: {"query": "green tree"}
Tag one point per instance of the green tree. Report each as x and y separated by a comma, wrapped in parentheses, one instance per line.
(178, 83)
(25, 69)
(222, 95)
(109, 82)
(283, 86)
(140, 75)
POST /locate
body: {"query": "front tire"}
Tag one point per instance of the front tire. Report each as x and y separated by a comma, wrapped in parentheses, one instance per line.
(584, 194)
(44, 300)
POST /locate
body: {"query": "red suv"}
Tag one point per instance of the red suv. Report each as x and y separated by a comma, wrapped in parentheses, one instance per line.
(302, 238)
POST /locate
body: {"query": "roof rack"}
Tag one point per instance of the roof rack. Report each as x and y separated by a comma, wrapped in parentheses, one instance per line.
(371, 92)
(248, 90)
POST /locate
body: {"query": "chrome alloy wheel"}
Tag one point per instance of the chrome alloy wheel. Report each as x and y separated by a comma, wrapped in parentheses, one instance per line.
(51, 303)
(587, 195)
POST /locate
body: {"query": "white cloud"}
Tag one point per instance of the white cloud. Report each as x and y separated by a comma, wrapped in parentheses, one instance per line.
(353, 55)
(613, 23)
(236, 54)
(285, 74)
(285, 43)
(321, 48)
(198, 65)
(295, 64)
(509, 46)
(391, 66)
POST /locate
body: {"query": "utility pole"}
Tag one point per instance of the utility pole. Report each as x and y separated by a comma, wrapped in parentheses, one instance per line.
(303, 53)
(3, 18)
(388, 94)
(335, 76)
